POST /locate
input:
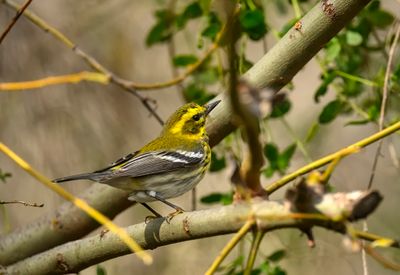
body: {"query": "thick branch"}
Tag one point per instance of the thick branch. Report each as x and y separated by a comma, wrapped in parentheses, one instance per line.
(77, 255)
(274, 70)
(66, 224)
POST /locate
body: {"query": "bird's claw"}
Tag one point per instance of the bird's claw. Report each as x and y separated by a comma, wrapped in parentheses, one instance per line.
(169, 217)
(150, 218)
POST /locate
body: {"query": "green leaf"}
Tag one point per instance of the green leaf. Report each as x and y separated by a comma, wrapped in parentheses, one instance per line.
(330, 111)
(159, 33)
(271, 152)
(373, 112)
(231, 268)
(277, 271)
(191, 11)
(285, 157)
(162, 30)
(100, 270)
(227, 199)
(205, 5)
(265, 267)
(269, 172)
(381, 18)
(4, 176)
(280, 108)
(322, 89)
(213, 27)
(357, 122)
(277, 255)
(244, 65)
(327, 78)
(223, 198)
(253, 23)
(206, 76)
(194, 93)
(211, 31)
(217, 164)
(312, 132)
(184, 60)
(287, 27)
(353, 38)
(374, 5)
(211, 198)
(396, 72)
(333, 49)
(352, 88)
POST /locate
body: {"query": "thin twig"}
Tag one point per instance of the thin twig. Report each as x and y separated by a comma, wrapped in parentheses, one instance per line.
(91, 61)
(296, 8)
(229, 246)
(55, 80)
(297, 140)
(255, 245)
(384, 103)
(126, 84)
(367, 236)
(14, 20)
(380, 259)
(385, 93)
(327, 159)
(34, 204)
(176, 80)
(356, 78)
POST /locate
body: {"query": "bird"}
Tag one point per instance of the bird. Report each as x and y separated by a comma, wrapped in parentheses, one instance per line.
(167, 167)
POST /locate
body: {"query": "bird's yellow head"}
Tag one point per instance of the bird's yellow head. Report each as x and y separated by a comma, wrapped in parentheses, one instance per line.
(189, 120)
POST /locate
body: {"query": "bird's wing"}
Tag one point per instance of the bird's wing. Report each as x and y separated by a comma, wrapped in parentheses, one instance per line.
(158, 162)
(117, 162)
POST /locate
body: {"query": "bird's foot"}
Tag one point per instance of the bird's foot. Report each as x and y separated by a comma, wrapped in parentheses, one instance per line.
(169, 217)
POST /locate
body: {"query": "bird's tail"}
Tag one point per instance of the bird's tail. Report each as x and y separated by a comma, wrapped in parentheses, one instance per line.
(84, 176)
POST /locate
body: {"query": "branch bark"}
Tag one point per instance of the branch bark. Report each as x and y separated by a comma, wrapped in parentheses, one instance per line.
(265, 215)
(274, 70)
(77, 255)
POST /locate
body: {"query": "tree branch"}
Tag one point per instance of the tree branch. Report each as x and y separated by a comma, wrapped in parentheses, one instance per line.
(77, 255)
(90, 60)
(351, 149)
(274, 70)
(24, 203)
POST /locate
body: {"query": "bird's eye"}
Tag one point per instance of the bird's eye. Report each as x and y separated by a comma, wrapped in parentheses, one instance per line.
(196, 117)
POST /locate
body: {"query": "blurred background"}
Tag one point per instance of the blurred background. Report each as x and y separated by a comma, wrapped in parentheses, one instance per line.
(66, 129)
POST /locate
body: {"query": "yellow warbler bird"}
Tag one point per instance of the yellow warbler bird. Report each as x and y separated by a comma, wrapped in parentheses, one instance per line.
(168, 166)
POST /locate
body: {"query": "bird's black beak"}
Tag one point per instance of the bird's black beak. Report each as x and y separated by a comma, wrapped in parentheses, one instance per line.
(210, 106)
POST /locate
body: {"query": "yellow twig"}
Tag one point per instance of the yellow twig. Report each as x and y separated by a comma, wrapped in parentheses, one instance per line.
(229, 246)
(296, 8)
(55, 80)
(98, 67)
(146, 258)
(379, 258)
(327, 159)
(296, 216)
(255, 245)
(176, 80)
(91, 61)
(373, 237)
